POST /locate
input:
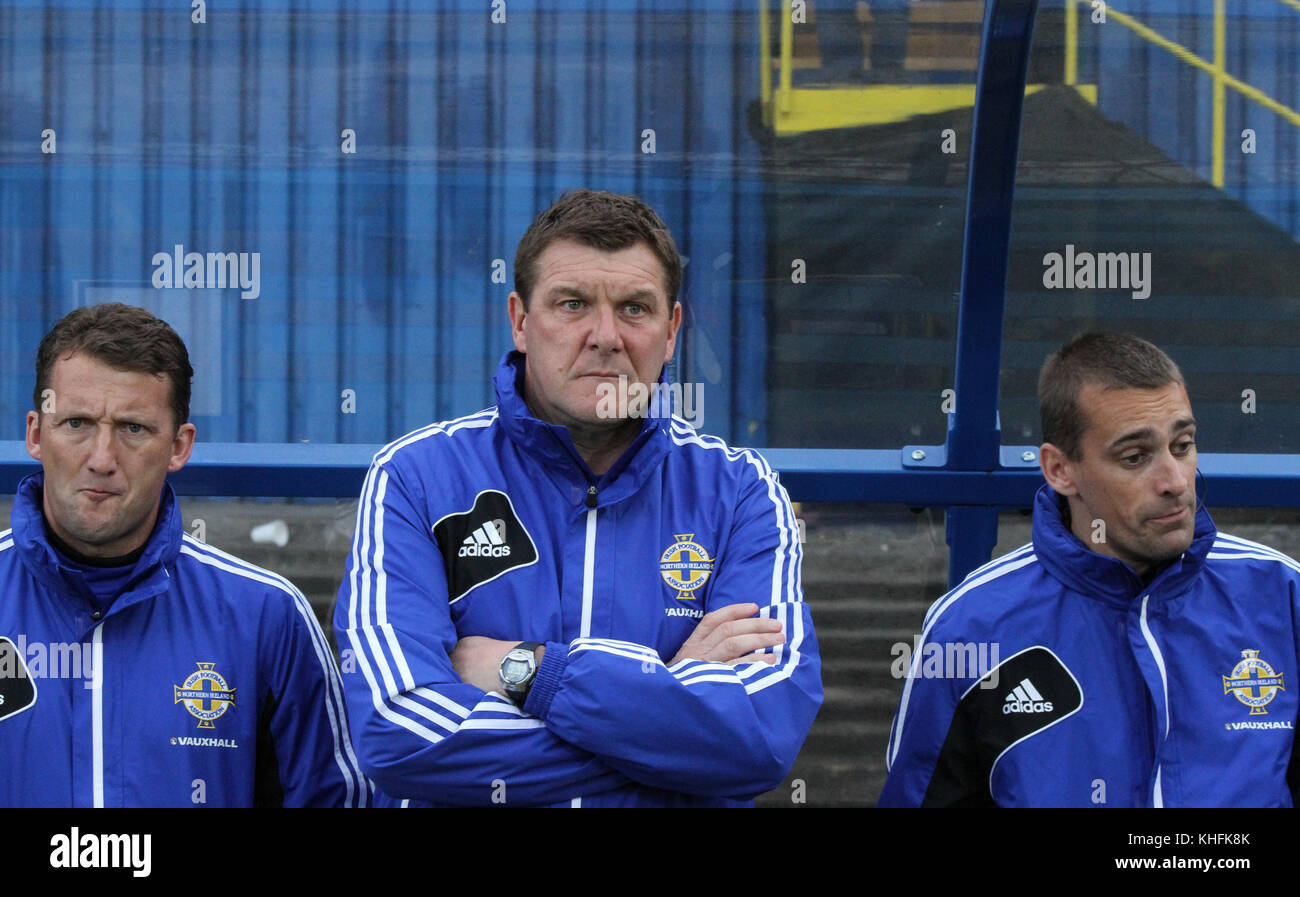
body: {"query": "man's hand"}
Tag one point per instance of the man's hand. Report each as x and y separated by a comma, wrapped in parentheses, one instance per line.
(733, 635)
(477, 660)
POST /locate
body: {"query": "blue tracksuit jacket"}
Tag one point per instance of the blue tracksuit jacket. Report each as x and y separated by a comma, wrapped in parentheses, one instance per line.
(207, 683)
(492, 525)
(1106, 692)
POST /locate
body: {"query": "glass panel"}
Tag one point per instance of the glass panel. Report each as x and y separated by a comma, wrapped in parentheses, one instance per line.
(1150, 200)
(868, 171)
(326, 205)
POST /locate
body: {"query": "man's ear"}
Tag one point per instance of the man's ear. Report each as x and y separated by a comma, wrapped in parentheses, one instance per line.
(674, 323)
(182, 446)
(518, 314)
(1058, 469)
(34, 434)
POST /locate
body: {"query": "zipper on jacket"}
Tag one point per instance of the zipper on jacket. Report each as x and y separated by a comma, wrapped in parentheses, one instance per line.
(588, 570)
(591, 496)
(1157, 793)
(97, 716)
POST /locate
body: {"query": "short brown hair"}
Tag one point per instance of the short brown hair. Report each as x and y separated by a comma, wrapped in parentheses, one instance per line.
(605, 221)
(124, 337)
(1105, 359)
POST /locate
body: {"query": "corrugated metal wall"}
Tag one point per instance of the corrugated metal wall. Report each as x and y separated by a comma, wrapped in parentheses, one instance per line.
(375, 266)
(1172, 105)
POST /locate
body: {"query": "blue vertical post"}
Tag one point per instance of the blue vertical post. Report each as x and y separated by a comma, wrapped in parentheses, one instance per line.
(974, 433)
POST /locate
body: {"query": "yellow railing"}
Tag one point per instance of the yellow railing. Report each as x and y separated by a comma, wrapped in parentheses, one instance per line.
(794, 110)
(1215, 69)
(765, 58)
(787, 55)
(873, 104)
(765, 63)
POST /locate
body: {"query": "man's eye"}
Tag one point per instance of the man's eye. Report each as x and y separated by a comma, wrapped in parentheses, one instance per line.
(1133, 460)
(635, 308)
(1184, 447)
(573, 304)
(135, 428)
(74, 423)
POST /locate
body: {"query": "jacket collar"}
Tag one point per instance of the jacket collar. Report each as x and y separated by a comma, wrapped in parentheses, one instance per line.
(1103, 577)
(48, 566)
(551, 446)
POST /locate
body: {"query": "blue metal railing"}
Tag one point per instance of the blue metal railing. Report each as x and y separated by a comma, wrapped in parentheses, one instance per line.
(844, 475)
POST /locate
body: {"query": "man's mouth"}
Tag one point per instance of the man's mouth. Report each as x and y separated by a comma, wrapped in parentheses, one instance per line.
(1173, 517)
(98, 495)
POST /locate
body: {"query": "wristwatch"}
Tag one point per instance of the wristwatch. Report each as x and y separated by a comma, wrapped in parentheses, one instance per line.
(518, 670)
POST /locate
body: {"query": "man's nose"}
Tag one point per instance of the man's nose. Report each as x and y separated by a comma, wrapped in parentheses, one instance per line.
(604, 330)
(103, 453)
(1173, 477)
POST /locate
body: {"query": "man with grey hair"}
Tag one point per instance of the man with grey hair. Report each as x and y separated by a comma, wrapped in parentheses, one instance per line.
(1146, 658)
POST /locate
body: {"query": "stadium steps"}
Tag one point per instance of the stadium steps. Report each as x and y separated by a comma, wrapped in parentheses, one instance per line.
(869, 575)
(859, 355)
(320, 537)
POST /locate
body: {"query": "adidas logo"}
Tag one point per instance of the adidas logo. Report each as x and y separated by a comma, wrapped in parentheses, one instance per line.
(488, 541)
(1024, 698)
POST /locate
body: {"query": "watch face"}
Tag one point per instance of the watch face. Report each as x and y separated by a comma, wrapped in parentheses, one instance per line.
(514, 671)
